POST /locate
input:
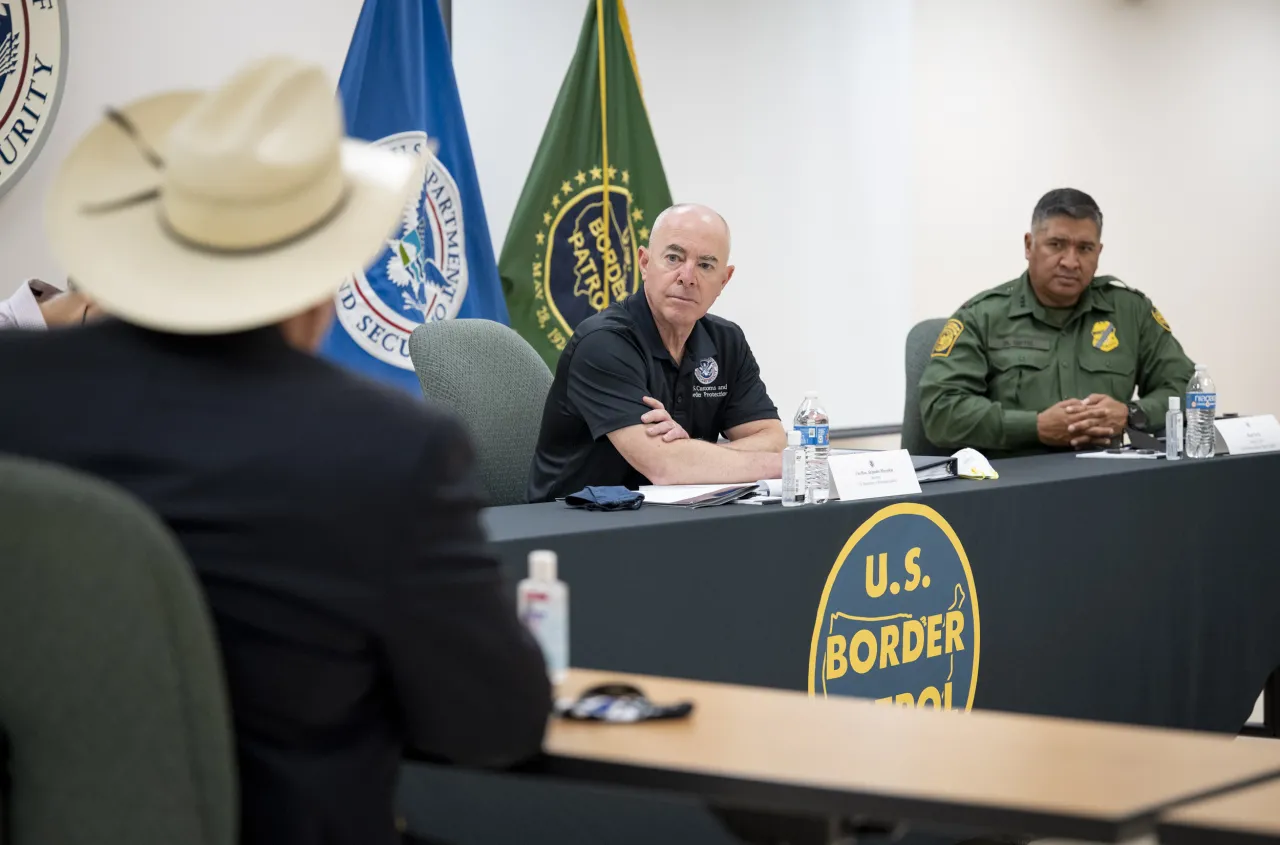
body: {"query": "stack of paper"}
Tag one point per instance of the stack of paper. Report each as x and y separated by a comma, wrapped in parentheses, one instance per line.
(695, 495)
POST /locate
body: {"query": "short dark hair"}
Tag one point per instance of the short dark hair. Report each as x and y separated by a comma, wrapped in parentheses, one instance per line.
(1066, 202)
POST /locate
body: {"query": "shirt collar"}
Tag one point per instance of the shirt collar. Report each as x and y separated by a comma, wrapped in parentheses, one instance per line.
(1024, 299)
(699, 346)
(21, 310)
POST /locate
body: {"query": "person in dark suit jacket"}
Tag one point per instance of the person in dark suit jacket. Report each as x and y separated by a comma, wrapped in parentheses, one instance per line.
(332, 522)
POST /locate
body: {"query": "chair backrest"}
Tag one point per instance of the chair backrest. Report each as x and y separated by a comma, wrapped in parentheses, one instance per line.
(495, 381)
(920, 342)
(111, 687)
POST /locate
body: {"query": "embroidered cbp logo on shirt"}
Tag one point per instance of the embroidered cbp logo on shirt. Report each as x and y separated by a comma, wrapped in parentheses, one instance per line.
(421, 276)
(32, 47)
(707, 371)
(706, 374)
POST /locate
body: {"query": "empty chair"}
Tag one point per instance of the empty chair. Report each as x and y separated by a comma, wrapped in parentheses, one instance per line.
(497, 384)
(111, 688)
(920, 342)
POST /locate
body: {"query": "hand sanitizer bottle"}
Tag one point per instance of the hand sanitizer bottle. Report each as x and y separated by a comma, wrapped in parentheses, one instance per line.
(794, 479)
(1173, 429)
(543, 604)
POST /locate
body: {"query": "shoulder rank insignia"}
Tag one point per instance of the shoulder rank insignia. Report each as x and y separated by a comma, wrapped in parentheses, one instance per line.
(1159, 318)
(947, 338)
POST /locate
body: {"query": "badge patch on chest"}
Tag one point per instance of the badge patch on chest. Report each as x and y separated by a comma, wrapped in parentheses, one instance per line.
(947, 338)
(1104, 336)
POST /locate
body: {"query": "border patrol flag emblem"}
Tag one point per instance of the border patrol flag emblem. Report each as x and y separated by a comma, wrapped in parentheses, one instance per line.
(596, 186)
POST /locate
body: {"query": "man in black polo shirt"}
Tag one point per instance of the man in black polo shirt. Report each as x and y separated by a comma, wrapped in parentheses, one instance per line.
(646, 387)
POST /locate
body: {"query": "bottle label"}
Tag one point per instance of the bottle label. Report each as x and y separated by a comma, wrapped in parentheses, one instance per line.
(813, 435)
(1202, 401)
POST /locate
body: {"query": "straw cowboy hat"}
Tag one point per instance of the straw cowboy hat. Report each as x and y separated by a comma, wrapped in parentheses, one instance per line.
(199, 213)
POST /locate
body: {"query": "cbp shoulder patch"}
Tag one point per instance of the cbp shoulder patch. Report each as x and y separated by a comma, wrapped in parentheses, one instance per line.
(1160, 320)
(947, 338)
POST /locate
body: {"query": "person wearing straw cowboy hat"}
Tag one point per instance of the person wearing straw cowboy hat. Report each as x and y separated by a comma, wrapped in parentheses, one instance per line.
(214, 228)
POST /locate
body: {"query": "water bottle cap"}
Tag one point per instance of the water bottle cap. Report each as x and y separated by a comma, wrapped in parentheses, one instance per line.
(793, 438)
(812, 394)
(1175, 403)
(542, 565)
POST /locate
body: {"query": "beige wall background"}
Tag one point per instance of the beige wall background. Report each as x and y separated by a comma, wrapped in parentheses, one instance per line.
(877, 158)
(1166, 111)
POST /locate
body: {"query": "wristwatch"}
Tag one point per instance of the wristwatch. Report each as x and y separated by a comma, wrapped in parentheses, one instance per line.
(1137, 417)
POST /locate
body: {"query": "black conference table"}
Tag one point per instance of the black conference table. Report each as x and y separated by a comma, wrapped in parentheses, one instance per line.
(1133, 591)
(1130, 591)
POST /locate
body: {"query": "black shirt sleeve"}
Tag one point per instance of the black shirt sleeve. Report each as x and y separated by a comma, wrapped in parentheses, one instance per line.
(748, 399)
(607, 382)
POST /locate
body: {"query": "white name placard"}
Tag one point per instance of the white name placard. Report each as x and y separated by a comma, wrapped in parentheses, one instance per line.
(1246, 435)
(870, 475)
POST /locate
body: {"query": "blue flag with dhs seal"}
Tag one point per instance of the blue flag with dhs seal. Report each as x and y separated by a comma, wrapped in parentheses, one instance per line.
(398, 91)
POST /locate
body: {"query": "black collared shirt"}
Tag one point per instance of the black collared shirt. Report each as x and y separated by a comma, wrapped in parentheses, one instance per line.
(616, 358)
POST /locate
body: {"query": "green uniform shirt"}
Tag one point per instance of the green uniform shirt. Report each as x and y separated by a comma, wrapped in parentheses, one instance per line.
(1004, 357)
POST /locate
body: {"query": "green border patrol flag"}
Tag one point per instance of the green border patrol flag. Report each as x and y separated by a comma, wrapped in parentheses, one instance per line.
(569, 253)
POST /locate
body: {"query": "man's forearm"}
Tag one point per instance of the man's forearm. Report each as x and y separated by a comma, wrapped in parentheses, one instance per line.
(772, 439)
(698, 462)
(955, 421)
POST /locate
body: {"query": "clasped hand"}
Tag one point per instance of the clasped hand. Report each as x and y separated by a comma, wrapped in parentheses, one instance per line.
(1082, 423)
(660, 423)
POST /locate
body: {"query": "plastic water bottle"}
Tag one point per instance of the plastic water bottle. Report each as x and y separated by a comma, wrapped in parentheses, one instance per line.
(1202, 405)
(794, 483)
(543, 604)
(815, 431)
(1173, 430)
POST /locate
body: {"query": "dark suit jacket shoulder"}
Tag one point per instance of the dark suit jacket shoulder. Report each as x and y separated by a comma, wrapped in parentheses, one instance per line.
(334, 525)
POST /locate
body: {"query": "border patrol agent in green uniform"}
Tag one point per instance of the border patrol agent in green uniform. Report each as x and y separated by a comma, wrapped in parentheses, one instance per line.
(1050, 360)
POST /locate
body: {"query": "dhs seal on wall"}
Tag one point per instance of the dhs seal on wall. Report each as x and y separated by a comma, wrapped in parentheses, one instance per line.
(898, 621)
(33, 47)
(421, 276)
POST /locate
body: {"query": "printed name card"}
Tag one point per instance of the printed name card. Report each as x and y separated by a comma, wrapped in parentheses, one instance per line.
(1246, 435)
(871, 475)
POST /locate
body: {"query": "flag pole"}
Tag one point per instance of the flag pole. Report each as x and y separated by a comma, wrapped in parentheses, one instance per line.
(604, 140)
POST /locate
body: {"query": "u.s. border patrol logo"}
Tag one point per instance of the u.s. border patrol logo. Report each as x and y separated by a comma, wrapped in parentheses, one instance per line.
(586, 252)
(900, 622)
(947, 338)
(706, 371)
(33, 42)
(421, 275)
(1160, 320)
(1104, 336)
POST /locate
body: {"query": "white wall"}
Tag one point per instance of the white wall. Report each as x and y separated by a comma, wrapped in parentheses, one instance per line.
(792, 120)
(119, 51)
(1166, 111)
(881, 157)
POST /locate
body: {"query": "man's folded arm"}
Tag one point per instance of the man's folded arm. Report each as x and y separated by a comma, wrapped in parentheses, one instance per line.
(691, 461)
(471, 681)
(757, 436)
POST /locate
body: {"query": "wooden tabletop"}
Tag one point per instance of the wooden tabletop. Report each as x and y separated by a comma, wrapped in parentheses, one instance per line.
(1249, 816)
(778, 750)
